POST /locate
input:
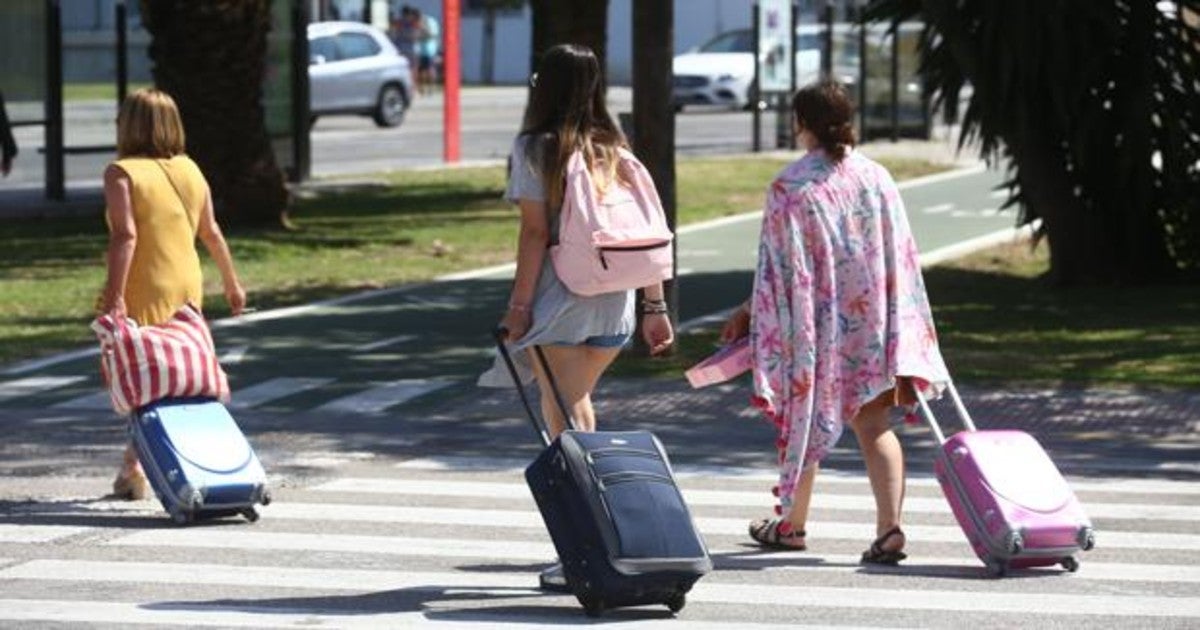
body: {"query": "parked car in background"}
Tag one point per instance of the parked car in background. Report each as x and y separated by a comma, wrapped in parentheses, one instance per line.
(721, 71)
(354, 69)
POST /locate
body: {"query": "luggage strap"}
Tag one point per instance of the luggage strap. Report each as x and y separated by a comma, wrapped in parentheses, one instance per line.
(539, 423)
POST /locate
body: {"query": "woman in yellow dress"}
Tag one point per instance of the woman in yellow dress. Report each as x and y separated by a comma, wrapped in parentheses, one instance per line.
(158, 203)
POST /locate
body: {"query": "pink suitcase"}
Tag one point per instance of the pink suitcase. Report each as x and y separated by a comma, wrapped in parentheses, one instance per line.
(1010, 499)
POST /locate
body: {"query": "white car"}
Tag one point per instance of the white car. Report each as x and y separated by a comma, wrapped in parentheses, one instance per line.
(721, 72)
(354, 69)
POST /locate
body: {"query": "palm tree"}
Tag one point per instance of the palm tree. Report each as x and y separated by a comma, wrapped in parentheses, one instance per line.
(211, 57)
(1093, 105)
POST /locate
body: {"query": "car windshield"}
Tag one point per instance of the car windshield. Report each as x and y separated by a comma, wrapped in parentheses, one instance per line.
(731, 42)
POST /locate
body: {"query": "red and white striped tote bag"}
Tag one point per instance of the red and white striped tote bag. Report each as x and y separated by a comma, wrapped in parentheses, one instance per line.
(142, 364)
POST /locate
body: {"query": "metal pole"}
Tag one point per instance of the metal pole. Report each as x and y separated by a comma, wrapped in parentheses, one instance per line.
(301, 107)
(896, 84)
(122, 52)
(827, 42)
(55, 169)
(862, 77)
(451, 78)
(793, 85)
(755, 92)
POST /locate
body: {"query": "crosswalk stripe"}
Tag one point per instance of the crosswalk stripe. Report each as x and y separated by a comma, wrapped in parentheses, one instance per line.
(708, 590)
(33, 384)
(95, 401)
(202, 614)
(273, 389)
(765, 475)
(341, 543)
(965, 564)
(383, 343)
(709, 526)
(381, 397)
(13, 533)
(925, 505)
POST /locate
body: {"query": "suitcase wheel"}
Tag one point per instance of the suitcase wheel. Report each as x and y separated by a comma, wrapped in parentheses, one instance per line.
(1086, 538)
(266, 498)
(996, 568)
(1070, 564)
(593, 606)
(251, 514)
(676, 602)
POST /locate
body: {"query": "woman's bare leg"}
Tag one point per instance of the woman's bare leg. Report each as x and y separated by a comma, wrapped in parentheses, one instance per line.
(577, 370)
(884, 459)
(797, 517)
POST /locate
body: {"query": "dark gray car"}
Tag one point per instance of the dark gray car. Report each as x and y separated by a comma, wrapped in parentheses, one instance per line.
(354, 69)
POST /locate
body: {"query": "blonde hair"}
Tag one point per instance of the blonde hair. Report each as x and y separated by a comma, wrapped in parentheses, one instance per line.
(149, 125)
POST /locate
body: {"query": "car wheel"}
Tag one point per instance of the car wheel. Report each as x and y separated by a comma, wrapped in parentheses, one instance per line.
(391, 106)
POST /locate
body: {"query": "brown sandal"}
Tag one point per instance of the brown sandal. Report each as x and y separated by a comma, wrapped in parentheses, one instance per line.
(878, 555)
(775, 532)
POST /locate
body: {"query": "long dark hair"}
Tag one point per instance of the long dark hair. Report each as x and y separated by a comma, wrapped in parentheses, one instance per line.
(566, 114)
(824, 109)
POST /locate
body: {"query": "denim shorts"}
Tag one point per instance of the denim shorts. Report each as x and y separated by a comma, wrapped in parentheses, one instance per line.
(601, 341)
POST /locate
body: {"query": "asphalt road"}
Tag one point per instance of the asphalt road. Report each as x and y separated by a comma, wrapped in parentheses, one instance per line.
(344, 145)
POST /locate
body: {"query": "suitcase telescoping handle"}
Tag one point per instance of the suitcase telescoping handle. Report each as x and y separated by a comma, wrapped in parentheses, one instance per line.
(932, 420)
(539, 425)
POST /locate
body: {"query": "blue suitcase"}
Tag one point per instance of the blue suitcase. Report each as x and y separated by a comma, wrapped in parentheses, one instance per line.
(609, 499)
(198, 461)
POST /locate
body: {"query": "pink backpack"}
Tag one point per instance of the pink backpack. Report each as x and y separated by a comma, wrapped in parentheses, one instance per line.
(615, 242)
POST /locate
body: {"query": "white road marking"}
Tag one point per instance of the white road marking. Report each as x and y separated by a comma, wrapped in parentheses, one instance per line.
(14, 533)
(383, 343)
(273, 389)
(233, 356)
(938, 209)
(821, 500)
(709, 526)
(709, 590)
(830, 476)
(34, 384)
(379, 398)
(95, 401)
(201, 614)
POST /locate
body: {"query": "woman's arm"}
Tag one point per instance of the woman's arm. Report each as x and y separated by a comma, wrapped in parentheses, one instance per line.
(531, 251)
(214, 241)
(122, 238)
(656, 323)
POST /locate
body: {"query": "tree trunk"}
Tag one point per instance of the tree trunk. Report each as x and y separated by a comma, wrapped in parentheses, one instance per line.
(211, 57)
(582, 22)
(653, 114)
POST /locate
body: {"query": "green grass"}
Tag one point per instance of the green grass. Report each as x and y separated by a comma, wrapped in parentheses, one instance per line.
(412, 227)
(101, 91)
(999, 321)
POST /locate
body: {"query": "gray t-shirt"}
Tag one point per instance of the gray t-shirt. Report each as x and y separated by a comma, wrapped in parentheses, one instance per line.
(559, 316)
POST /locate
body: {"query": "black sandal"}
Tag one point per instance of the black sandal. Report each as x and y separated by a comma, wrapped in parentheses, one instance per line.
(766, 533)
(878, 555)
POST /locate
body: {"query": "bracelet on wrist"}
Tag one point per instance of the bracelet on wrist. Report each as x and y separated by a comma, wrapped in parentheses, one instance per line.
(518, 307)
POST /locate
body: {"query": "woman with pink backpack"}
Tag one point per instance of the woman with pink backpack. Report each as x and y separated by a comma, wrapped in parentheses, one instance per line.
(572, 176)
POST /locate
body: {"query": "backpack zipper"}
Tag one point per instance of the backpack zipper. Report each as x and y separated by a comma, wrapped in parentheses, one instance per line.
(627, 248)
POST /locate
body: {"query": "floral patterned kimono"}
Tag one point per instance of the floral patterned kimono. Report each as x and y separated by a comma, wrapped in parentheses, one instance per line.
(839, 307)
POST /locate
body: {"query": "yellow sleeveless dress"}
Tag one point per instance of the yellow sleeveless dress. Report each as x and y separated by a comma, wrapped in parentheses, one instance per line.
(165, 272)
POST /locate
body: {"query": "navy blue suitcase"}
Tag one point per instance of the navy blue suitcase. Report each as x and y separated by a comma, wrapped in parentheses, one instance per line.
(198, 461)
(609, 499)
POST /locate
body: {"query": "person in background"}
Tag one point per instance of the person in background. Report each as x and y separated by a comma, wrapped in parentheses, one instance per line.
(581, 336)
(8, 144)
(404, 33)
(157, 204)
(840, 326)
(429, 46)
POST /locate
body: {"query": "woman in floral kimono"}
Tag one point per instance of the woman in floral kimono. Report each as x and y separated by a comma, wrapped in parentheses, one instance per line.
(839, 322)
